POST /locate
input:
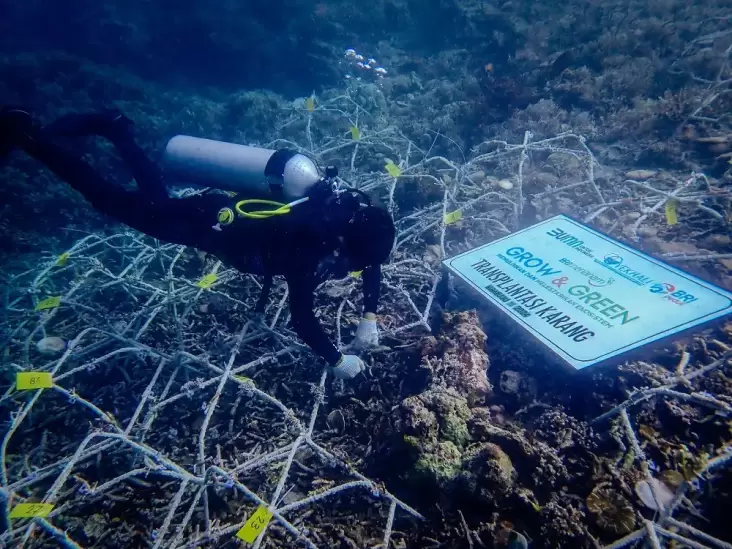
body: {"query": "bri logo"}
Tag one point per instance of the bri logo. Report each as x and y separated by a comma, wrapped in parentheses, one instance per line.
(669, 291)
(612, 260)
(662, 288)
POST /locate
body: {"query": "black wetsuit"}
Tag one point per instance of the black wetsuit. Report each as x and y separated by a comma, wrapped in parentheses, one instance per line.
(303, 246)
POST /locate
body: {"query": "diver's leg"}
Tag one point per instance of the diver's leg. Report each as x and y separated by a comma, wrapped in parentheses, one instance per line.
(117, 128)
(186, 221)
(19, 130)
(133, 208)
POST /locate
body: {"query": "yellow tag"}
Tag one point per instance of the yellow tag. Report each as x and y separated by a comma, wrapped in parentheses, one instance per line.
(355, 133)
(62, 259)
(310, 104)
(355, 274)
(31, 510)
(207, 281)
(672, 217)
(453, 217)
(48, 303)
(33, 380)
(244, 379)
(393, 169)
(255, 525)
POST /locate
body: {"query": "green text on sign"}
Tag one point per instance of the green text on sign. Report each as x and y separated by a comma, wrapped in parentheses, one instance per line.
(255, 525)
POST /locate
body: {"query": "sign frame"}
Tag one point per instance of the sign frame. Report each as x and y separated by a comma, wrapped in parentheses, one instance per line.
(620, 354)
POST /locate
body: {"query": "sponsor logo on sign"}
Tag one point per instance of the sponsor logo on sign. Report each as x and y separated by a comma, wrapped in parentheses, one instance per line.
(669, 292)
(616, 264)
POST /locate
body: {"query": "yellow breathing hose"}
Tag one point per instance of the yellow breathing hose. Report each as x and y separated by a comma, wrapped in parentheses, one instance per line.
(280, 208)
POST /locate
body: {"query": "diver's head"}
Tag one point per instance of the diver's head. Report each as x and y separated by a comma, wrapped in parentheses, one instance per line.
(369, 237)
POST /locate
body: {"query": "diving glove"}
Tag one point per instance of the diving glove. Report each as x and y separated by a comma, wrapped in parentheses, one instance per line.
(348, 367)
(367, 334)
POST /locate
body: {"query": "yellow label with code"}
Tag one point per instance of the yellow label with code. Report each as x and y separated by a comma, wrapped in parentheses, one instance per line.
(310, 104)
(672, 216)
(355, 274)
(255, 525)
(453, 217)
(393, 169)
(25, 381)
(207, 281)
(355, 133)
(62, 259)
(48, 303)
(31, 510)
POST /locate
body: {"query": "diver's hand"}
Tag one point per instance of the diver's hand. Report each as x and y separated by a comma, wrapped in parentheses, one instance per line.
(367, 334)
(348, 367)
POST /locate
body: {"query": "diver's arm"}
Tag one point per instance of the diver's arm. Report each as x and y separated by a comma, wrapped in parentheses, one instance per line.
(303, 319)
(186, 221)
(371, 289)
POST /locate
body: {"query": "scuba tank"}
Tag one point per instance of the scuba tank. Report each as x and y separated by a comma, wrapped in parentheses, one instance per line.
(282, 174)
(283, 177)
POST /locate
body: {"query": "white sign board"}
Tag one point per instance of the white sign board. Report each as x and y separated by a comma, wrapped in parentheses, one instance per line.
(586, 296)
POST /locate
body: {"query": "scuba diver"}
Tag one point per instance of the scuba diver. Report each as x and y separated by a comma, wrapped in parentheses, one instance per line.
(319, 232)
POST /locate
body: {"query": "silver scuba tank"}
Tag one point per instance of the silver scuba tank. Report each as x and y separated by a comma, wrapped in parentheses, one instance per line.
(282, 173)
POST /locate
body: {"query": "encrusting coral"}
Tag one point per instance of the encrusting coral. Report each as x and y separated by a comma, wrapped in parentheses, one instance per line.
(456, 357)
(465, 447)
